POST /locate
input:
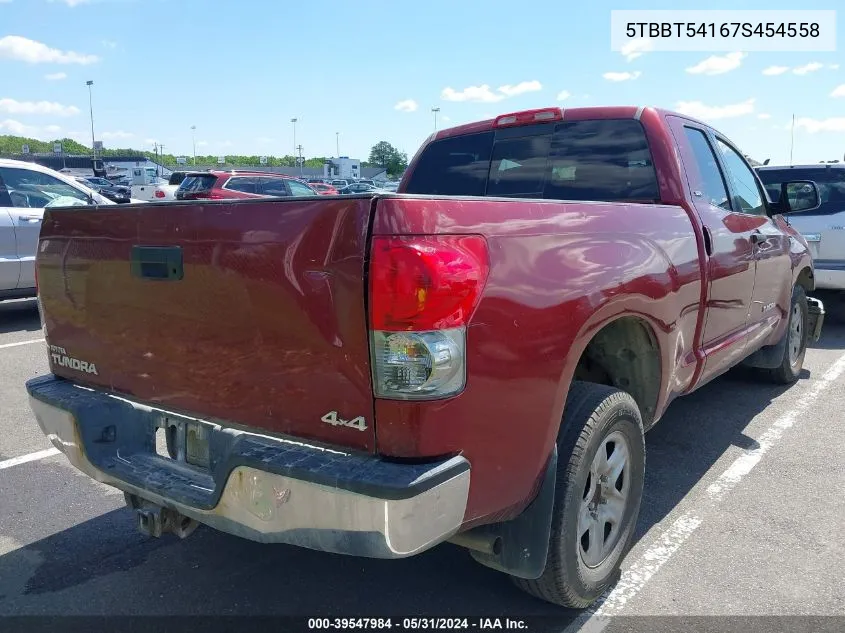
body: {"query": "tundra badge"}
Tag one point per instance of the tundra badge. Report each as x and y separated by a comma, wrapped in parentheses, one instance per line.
(62, 359)
(357, 423)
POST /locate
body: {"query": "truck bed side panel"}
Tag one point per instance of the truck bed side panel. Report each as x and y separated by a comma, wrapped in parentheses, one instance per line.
(559, 271)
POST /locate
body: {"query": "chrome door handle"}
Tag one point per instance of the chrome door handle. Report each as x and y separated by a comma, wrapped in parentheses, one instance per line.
(29, 218)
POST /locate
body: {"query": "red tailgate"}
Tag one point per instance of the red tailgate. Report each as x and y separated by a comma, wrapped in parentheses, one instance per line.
(263, 324)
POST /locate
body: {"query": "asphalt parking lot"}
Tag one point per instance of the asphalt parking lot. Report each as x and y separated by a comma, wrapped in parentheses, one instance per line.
(743, 515)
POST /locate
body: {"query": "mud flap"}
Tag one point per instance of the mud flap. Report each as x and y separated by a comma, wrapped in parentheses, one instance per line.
(525, 539)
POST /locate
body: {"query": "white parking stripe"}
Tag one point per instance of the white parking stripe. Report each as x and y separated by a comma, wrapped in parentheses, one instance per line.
(635, 577)
(35, 340)
(32, 457)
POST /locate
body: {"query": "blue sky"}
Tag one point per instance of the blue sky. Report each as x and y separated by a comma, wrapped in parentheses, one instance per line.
(372, 70)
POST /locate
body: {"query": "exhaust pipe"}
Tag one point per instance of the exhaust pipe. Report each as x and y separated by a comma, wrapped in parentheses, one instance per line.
(155, 520)
(490, 544)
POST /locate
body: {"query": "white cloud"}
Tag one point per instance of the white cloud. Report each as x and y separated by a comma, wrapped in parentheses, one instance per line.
(717, 65)
(481, 94)
(16, 127)
(446, 119)
(109, 43)
(119, 134)
(72, 3)
(563, 95)
(699, 110)
(807, 68)
(55, 76)
(32, 52)
(764, 115)
(264, 140)
(775, 70)
(839, 91)
(53, 129)
(636, 48)
(520, 88)
(11, 106)
(225, 144)
(408, 105)
(834, 66)
(626, 76)
(813, 126)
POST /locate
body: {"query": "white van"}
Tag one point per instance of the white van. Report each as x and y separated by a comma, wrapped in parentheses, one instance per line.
(823, 227)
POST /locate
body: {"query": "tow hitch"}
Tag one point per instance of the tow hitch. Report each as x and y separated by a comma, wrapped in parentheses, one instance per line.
(155, 520)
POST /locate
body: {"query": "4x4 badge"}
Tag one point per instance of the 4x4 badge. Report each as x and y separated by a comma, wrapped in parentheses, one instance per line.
(356, 423)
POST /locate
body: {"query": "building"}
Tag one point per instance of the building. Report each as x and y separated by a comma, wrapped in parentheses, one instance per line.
(79, 164)
(342, 167)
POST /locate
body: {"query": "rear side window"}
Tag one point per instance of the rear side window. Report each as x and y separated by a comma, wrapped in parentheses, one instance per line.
(455, 166)
(244, 185)
(604, 160)
(300, 189)
(198, 184)
(829, 181)
(273, 187)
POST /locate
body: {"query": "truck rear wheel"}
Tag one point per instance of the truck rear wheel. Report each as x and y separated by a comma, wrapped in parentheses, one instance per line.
(597, 496)
(796, 340)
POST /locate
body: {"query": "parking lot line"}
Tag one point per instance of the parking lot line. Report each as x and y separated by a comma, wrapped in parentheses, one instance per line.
(35, 340)
(32, 457)
(635, 577)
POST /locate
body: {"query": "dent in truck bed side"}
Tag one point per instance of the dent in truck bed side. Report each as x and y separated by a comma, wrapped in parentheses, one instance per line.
(554, 281)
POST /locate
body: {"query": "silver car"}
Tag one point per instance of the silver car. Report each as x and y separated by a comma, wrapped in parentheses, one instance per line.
(26, 189)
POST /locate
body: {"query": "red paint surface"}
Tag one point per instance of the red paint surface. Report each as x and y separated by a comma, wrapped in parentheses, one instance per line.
(269, 327)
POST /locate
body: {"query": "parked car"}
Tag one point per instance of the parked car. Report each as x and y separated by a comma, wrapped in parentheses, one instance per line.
(112, 191)
(340, 184)
(822, 227)
(357, 187)
(324, 189)
(221, 185)
(389, 186)
(26, 189)
(390, 373)
(366, 181)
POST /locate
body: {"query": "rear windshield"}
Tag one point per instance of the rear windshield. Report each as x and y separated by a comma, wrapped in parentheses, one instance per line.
(200, 182)
(830, 183)
(604, 160)
(176, 178)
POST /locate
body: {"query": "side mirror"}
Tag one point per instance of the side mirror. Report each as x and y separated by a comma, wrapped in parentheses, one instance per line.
(798, 196)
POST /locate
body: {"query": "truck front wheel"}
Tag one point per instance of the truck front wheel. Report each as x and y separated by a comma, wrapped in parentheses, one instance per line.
(597, 496)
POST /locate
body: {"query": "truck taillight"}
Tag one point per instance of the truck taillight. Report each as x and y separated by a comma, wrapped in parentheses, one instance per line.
(159, 193)
(423, 291)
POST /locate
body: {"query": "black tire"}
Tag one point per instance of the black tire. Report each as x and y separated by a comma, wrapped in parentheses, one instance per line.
(791, 365)
(593, 413)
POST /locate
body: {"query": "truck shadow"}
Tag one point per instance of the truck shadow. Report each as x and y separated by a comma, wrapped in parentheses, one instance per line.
(20, 315)
(103, 566)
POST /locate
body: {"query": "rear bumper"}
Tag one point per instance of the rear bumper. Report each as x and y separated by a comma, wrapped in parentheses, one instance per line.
(262, 488)
(829, 275)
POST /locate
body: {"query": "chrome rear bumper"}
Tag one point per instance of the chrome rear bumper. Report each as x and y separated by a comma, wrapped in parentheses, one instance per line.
(262, 488)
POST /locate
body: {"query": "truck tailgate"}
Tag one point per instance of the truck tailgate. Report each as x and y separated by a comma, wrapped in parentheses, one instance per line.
(248, 312)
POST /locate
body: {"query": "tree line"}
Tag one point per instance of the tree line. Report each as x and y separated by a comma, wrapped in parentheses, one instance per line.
(382, 154)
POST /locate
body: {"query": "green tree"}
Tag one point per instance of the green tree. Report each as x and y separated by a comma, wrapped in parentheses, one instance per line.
(383, 154)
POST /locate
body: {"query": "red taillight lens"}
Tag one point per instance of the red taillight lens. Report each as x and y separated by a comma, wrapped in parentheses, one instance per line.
(529, 116)
(430, 282)
(159, 193)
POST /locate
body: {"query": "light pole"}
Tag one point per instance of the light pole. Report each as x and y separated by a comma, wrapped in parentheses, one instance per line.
(294, 120)
(337, 143)
(90, 83)
(299, 149)
(194, 139)
(435, 110)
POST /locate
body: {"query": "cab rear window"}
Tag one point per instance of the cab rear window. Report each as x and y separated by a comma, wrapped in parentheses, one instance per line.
(604, 160)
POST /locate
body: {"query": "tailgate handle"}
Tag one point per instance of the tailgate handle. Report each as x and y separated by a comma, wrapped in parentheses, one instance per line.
(163, 263)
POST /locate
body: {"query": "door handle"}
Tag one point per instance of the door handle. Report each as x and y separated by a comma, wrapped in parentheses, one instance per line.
(758, 238)
(29, 218)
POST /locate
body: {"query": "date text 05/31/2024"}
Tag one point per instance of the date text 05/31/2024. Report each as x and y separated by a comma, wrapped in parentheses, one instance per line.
(412, 624)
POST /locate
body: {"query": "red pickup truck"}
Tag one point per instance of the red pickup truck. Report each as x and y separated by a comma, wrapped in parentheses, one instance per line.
(474, 359)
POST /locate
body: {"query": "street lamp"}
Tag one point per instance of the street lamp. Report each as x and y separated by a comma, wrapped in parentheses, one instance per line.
(435, 110)
(294, 135)
(90, 83)
(194, 139)
(337, 143)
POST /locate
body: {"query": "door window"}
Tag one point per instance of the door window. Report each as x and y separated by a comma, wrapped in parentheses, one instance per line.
(746, 194)
(709, 182)
(273, 187)
(244, 185)
(299, 189)
(34, 190)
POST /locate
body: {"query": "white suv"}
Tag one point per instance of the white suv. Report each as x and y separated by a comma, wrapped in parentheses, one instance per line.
(26, 189)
